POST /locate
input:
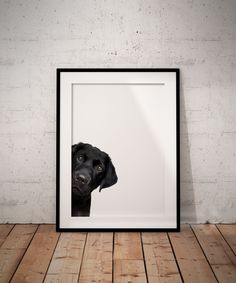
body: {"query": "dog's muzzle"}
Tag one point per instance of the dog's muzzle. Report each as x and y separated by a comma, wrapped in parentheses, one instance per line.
(82, 179)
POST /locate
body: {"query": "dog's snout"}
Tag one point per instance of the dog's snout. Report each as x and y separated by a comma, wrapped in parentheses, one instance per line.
(83, 179)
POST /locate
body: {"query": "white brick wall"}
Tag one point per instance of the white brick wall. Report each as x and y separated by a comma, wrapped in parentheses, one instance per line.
(197, 36)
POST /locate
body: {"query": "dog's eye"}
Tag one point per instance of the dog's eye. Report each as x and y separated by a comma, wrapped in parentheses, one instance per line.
(80, 158)
(99, 168)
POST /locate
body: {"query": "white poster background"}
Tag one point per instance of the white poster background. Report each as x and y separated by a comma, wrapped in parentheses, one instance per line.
(132, 117)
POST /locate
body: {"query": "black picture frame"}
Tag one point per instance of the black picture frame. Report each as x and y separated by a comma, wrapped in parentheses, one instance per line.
(59, 72)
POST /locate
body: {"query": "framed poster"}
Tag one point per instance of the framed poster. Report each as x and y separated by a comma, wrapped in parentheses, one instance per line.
(118, 150)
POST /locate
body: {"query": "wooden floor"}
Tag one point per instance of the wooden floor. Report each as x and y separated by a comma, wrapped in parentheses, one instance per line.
(36, 253)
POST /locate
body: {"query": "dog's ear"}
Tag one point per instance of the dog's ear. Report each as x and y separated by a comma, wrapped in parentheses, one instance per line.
(110, 177)
(77, 147)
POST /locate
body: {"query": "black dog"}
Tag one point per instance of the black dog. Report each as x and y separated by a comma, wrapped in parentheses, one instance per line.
(91, 167)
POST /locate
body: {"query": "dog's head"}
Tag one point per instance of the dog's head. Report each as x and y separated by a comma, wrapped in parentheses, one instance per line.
(91, 167)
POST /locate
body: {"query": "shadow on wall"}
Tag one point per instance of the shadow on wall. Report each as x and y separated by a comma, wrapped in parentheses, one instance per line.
(187, 202)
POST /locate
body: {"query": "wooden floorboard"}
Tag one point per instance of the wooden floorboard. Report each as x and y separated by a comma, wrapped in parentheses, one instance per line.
(13, 249)
(160, 261)
(34, 264)
(36, 253)
(67, 258)
(193, 265)
(97, 258)
(228, 231)
(128, 258)
(217, 251)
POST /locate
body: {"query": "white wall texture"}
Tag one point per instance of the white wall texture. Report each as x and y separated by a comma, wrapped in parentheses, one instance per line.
(197, 36)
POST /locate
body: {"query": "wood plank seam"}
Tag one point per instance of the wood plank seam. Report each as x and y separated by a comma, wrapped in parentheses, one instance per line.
(172, 248)
(35, 262)
(11, 229)
(144, 259)
(66, 260)
(204, 253)
(7, 234)
(97, 259)
(82, 258)
(51, 258)
(225, 239)
(24, 253)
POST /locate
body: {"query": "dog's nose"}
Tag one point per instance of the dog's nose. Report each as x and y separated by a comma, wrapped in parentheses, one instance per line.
(82, 179)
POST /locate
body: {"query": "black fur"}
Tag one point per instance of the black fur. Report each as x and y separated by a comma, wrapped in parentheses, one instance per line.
(91, 167)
